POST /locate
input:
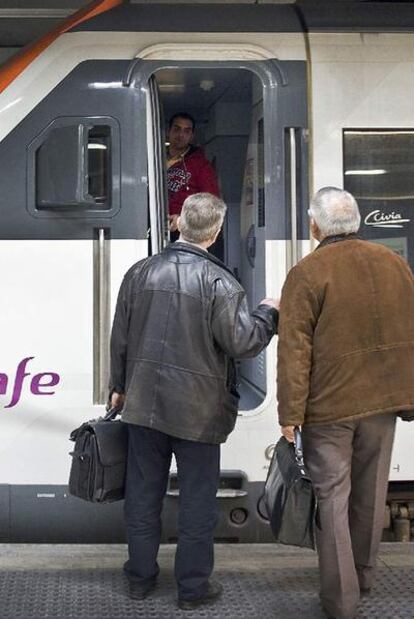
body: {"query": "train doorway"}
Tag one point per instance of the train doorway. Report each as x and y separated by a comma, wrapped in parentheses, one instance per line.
(234, 108)
(227, 106)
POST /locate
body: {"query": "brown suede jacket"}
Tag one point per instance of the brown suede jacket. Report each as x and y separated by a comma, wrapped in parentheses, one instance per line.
(346, 334)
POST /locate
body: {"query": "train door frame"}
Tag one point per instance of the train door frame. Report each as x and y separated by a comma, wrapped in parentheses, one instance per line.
(157, 185)
(252, 372)
(284, 87)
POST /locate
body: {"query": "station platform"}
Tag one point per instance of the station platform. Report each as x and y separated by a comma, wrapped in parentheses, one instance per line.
(265, 581)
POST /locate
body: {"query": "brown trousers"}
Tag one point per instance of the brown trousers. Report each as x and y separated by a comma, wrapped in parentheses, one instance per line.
(349, 465)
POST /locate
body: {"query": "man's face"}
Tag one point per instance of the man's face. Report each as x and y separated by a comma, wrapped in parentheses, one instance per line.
(181, 133)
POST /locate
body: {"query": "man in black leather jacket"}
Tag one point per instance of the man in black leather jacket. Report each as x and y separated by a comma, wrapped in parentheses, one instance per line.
(181, 319)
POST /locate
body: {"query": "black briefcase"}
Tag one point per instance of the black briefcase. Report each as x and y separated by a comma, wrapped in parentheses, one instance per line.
(289, 497)
(98, 466)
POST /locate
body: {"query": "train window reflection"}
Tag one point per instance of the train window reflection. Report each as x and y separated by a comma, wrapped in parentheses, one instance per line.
(379, 172)
(380, 164)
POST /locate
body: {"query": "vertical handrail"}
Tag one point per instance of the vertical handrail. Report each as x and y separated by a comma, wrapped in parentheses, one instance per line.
(101, 316)
(293, 197)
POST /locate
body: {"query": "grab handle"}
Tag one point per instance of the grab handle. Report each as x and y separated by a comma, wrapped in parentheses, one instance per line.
(101, 316)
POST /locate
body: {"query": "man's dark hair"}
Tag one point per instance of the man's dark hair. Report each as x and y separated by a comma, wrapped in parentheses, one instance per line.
(181, 115)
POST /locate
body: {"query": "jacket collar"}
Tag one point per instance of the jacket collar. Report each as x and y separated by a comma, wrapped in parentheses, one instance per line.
(192, 249)
(336, 238)
(190, 150)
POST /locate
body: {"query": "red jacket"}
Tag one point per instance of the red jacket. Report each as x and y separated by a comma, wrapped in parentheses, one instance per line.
(191, 174)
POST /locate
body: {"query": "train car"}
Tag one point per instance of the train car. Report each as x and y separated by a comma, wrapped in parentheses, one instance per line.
(287, 98)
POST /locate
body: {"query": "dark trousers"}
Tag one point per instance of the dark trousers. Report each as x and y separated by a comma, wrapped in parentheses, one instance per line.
(198, 468)
(349, 465)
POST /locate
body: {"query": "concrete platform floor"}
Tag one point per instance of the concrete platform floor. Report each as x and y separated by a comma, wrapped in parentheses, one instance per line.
(260, 580)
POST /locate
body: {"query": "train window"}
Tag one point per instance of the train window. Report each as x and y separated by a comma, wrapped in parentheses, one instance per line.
(98, 163)
(74, 168)
(379, 172)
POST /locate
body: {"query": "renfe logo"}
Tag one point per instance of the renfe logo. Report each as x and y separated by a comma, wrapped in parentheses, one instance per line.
(40, 384)
(385, 220)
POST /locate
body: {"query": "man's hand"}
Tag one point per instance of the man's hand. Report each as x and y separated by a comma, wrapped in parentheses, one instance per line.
(288, 433)
(271, 302)
(117, 400)
(173, 222)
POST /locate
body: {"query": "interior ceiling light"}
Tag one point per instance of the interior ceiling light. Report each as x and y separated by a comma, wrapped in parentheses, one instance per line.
(178, 88)
(364, 172)
(386, 132)
(94, 146)
(207, 85)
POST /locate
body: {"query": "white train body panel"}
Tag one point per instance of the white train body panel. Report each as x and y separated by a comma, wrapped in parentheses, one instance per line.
(47, 314)
(357, 81)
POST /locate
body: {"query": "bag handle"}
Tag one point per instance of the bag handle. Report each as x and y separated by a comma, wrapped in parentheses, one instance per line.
(111, 414)
(298, 446)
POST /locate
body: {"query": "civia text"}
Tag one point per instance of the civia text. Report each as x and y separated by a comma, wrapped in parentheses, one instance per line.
(40, 384)
(378, 219)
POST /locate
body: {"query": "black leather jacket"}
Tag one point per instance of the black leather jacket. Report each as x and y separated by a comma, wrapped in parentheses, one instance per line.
(181, 318)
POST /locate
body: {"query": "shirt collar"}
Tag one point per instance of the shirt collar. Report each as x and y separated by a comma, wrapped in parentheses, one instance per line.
(335, 238)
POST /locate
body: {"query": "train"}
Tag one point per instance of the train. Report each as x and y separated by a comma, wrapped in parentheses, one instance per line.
(287, 98)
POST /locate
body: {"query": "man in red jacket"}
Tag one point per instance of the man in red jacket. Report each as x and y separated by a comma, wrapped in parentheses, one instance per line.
(188, 171)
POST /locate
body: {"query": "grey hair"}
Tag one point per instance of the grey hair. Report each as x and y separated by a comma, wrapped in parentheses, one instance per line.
(202, 215)
(335, 211)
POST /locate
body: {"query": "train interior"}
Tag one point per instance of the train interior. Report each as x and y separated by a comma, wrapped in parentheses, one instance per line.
(227, 107)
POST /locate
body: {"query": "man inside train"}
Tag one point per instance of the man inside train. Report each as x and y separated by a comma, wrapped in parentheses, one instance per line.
(188, 170)
(345, 372)
(181, 318)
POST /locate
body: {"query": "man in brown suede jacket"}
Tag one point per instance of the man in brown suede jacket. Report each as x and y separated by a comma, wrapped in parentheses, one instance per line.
(345, 370)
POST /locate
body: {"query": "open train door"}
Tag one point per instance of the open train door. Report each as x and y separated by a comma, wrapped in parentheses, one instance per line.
(273, 222)
(157, 182)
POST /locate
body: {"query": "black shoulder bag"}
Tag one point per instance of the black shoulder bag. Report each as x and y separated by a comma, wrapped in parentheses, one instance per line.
(289, 497)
